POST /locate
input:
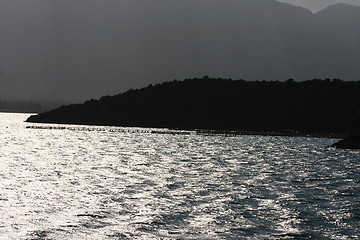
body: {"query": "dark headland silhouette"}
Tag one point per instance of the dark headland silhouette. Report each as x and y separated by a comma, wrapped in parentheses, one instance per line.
(351, 142)
(326, 107)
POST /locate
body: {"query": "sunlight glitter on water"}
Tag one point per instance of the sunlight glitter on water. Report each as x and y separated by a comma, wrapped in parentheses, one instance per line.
(80, 182)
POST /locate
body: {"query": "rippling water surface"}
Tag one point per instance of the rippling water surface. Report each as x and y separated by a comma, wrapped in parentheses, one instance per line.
(115, 183)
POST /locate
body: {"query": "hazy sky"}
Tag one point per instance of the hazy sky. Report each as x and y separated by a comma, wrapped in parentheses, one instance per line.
(79, 49)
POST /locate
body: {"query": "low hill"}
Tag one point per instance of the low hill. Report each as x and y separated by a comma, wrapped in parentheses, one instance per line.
(316, 106)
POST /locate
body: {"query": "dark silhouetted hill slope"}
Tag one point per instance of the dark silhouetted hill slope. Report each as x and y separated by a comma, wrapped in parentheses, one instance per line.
(316, 106)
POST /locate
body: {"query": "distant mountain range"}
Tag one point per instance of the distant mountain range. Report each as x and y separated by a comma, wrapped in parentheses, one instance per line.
(82, 49)
(317, 5)
(318, 106)
(29, 106)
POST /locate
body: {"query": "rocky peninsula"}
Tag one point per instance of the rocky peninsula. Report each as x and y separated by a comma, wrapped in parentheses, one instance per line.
(325, 107)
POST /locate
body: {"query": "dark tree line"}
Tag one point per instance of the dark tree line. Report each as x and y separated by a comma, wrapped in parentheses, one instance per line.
(313, 106)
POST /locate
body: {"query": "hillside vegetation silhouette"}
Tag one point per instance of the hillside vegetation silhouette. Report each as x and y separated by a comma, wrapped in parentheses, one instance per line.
(313, 106)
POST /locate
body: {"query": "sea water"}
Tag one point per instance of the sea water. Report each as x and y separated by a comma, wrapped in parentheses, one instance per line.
(91, 182)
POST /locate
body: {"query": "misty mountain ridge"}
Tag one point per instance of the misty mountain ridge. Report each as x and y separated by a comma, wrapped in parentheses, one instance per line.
(318, 5)
(85, 49)
(344, 12)
(29, 106)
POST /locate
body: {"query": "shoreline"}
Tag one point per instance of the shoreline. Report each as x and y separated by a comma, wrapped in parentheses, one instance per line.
(179, 131)
(274, 133)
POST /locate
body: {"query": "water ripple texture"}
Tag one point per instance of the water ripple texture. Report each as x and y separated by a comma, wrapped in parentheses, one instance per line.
(102, 183)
